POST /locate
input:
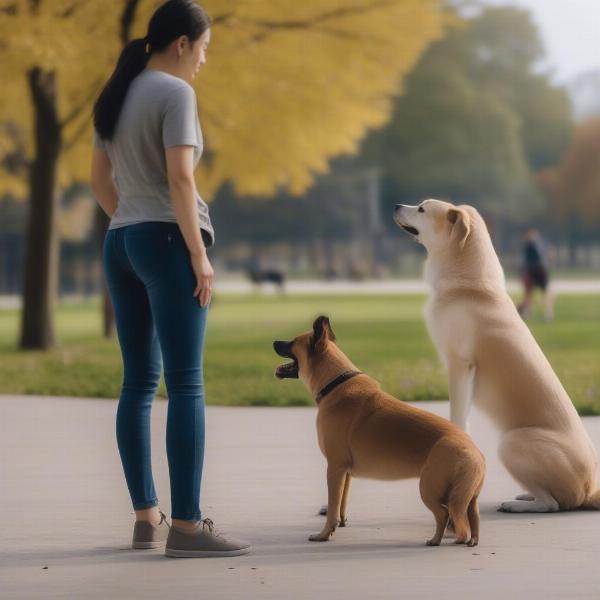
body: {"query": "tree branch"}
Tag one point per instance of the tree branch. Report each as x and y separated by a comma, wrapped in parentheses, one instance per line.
(314, 22)
(83, 104)
(309, 22)
(68, 144)
(127, 19)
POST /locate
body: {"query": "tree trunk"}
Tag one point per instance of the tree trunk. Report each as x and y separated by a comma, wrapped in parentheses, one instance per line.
(40, 283)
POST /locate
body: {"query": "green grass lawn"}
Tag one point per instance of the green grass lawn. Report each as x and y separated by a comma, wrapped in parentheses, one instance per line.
(384, 335)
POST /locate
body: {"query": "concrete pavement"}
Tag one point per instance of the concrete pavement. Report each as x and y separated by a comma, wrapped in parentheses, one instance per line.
(67, 519)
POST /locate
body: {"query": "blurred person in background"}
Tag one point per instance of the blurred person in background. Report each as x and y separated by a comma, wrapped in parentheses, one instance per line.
(534, 274)
(147, 135)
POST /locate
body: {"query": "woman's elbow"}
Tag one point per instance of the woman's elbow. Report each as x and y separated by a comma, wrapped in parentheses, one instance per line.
(181, 181)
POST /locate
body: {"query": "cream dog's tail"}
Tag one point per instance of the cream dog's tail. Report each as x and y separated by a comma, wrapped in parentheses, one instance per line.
(592, 501)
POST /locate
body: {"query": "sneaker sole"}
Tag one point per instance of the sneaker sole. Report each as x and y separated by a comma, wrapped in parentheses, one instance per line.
(174, 553)
(147, 545)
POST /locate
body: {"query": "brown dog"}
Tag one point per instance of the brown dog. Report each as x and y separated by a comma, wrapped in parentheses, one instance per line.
(365, 432)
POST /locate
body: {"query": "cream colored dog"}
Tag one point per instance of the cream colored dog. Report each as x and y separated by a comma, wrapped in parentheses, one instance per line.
(494, 362)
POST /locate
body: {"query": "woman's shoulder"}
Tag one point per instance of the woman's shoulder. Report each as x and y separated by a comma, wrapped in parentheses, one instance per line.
(166, 81)
(164, 92)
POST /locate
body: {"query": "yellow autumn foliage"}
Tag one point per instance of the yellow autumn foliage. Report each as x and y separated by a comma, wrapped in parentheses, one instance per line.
(78, 40)
(287, 86)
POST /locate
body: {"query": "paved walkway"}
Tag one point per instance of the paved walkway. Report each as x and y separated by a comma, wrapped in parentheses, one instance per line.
(67, 521)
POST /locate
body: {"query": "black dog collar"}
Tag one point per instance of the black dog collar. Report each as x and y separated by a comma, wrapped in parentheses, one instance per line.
(333, 384)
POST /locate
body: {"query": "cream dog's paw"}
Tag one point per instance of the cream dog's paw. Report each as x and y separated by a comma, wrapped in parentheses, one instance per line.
(532, 506)
(509, 506)
(320, 537)
(527, 497)
(519, 506)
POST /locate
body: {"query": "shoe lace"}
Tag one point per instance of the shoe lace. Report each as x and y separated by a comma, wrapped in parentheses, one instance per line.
(209, 524)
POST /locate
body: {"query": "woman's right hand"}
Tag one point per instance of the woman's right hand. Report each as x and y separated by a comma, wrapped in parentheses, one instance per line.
(204, 277)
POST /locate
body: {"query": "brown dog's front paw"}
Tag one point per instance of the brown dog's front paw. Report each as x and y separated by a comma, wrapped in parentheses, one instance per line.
(433, 542)
(319, 537)
(472, 542)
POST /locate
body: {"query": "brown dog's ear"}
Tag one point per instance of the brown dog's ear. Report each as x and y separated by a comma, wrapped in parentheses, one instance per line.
(461, 226)
(322, 332)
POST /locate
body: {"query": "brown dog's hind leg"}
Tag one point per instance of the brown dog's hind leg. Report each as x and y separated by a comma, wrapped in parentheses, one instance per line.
(433, 498)
(458, 506)
(335, 482)
(441, 520)
(473, 516)
(462, 530)
(343, 513)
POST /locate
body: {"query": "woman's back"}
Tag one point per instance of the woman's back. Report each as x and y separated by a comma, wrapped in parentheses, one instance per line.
(159, 111)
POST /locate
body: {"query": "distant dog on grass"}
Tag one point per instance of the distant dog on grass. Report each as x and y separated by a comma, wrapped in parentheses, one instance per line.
(365, 432)
(267, 276)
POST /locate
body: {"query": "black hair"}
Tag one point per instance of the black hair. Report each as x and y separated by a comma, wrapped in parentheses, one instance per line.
(171, 20)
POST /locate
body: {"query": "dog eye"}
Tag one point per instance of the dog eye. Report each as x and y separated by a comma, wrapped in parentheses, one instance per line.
(421, 209)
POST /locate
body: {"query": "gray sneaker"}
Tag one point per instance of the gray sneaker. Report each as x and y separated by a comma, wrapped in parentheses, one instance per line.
(203, 542)
(147, 535)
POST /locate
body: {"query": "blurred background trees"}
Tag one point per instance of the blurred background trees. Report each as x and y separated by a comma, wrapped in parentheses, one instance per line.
(318, 117)
(573, 188)
(51, 71)
(290, 85)
(476, 122)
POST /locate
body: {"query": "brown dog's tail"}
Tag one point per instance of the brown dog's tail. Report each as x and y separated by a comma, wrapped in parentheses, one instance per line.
(462, 502)
(592, 501)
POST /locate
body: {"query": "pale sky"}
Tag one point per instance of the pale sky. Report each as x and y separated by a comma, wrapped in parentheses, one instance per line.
(570, 30)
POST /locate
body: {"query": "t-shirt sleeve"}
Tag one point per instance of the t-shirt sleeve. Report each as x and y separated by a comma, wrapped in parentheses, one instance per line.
(180, 117)
(98, 141)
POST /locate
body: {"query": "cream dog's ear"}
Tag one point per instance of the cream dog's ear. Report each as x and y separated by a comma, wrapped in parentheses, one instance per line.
(460, 226)
(321, 333)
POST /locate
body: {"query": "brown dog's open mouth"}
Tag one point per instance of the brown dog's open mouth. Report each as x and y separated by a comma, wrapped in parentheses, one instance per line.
(410, 229)
(287, 371)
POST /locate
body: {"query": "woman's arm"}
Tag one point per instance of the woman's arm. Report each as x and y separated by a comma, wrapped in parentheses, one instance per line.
(102, 182)
(182, 189)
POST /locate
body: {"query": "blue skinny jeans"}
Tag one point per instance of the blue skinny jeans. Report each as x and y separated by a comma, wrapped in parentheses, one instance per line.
(151, 281)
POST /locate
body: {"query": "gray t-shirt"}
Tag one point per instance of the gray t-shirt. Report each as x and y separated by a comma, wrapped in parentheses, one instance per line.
(159, 111)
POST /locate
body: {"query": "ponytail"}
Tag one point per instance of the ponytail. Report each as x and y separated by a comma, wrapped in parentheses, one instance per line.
(108, 106)
(170, 20)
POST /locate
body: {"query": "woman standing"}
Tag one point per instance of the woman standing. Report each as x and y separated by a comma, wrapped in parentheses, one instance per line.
(147, 142)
